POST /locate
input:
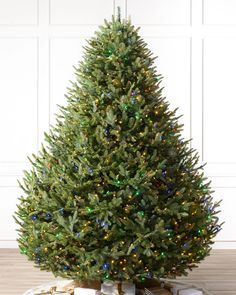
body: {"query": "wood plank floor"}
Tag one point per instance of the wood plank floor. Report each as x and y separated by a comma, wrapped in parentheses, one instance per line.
(217, 273)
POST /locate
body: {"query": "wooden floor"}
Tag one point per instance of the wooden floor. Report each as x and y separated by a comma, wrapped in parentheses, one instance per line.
(217, 273)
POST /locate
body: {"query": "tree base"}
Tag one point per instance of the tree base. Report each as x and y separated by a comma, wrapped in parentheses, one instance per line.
(123, 288)
(118, 288)
(84, 284)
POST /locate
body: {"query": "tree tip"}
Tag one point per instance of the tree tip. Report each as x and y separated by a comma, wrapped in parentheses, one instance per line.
(118, 14)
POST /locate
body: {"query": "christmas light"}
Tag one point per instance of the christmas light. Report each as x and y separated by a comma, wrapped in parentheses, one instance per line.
(89, 210)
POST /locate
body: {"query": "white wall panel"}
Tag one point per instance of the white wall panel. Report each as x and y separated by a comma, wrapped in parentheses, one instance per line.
(227, 195)
(219, 94)
(7, 224)
(223, 182)
(64, 54)
(168, 64)
(72, 12)
(219, 12)
(218, 169)
(18, 12)
(18, 88)
(161, 12)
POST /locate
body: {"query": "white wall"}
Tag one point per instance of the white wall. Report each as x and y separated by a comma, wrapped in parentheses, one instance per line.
(196, 44)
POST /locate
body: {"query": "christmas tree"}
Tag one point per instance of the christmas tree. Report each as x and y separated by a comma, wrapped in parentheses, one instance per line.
(116, 193)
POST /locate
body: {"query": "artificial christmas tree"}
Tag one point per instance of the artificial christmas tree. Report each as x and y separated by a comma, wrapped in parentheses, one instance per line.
(117, 193)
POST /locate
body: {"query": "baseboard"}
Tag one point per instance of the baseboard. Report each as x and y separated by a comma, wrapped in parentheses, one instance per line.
(8, 244)
(216, 245)
(224, 245)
